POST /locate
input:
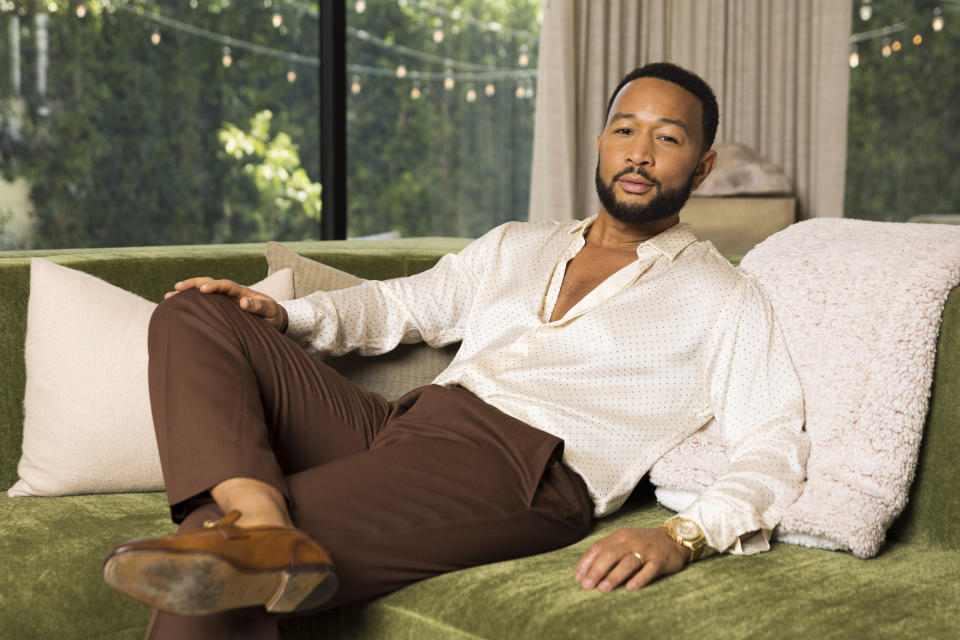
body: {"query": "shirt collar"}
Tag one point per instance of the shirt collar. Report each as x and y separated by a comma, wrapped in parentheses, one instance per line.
(670, 242)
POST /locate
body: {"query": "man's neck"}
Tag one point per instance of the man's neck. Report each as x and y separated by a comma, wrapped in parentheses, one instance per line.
(607, 232)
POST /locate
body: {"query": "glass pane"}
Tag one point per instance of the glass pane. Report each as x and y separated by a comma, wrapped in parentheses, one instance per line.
(158, 122)
(440, 114)
(902, 147)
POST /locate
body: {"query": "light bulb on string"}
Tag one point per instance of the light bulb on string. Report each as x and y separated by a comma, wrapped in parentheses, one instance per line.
(896, 46)
(355, 85)
(227, 58)
(521, 92)
(489, 90)
(917, 39)
(155, 36)
(291, 76)
(81, 10)
(438, 31)
(866, 10)
(415, 93)
(524, 58)
(937, 23)
(359, 6)
(471, 94)
(854, 57)
(448, 81)
(401, 71)
(277, 19)
(885, 50)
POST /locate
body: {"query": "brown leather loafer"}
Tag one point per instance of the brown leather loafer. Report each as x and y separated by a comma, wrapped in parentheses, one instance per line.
(223, 566)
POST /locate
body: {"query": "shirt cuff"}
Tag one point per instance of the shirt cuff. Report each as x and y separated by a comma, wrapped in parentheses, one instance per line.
(301, 318)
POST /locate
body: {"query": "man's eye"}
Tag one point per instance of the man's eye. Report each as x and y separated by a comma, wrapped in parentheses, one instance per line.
(623, 130)
(669, 139)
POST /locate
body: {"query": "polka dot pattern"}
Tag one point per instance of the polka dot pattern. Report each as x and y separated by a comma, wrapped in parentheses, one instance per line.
(655, 352)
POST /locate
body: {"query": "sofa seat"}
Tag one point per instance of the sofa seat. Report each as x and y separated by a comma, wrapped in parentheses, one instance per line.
(51, 586)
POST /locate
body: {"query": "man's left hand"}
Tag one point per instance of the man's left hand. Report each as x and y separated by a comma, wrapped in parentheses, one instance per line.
(611, 560)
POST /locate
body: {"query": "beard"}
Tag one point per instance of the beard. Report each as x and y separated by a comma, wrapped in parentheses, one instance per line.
(663, 205)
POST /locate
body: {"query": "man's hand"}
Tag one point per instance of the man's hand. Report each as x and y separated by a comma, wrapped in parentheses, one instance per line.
(611, 560)
(248, 299)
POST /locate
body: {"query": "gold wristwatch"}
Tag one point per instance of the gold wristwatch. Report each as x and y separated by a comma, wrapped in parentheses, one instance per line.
(688, 534)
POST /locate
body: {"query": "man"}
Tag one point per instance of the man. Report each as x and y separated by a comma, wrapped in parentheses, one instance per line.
(589, 349)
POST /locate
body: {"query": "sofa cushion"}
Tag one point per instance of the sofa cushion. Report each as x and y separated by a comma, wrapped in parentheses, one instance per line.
(52, 552)
(87, 423)
(392, 374)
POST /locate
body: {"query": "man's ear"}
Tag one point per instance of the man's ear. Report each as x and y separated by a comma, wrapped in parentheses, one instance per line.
(707, 163)
(598, 141)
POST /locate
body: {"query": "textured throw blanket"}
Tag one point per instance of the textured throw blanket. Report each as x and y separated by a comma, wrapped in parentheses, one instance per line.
(859, 304)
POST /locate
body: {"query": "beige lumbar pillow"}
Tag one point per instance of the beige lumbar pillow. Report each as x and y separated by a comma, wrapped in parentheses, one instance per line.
(87, 424)
(392, 374)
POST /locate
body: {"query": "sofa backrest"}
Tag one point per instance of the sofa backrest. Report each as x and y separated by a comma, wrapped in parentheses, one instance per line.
(930, 515)
(151, 271)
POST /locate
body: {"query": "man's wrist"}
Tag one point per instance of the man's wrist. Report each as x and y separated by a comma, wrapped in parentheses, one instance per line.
(688, 535)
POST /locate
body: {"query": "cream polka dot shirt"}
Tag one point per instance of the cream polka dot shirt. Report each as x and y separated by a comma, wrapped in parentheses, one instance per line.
(664, 345)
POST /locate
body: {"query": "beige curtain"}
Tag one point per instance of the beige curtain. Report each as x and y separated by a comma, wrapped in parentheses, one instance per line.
(779, 69)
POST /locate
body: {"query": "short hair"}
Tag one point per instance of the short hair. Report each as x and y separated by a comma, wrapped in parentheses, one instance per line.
(684, 79)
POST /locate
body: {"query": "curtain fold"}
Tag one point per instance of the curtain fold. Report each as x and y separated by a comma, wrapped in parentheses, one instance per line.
(779, 69)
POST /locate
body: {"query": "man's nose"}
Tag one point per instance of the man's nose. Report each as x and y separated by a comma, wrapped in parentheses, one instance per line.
(640, 152)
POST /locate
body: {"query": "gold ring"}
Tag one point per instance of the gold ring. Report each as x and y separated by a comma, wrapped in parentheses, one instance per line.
(639, 557)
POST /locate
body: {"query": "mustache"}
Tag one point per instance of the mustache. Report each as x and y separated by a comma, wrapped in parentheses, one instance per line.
(638, 170)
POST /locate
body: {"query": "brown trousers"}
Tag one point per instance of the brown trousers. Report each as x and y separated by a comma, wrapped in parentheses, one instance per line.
(395, 491)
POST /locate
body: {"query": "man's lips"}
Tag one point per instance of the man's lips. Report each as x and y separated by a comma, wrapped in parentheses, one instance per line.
(631, 185)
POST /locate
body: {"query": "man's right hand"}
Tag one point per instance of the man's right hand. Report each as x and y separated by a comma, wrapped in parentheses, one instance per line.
(248, 299)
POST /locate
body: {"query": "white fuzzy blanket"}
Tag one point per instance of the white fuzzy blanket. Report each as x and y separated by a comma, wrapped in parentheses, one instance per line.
(859, 304)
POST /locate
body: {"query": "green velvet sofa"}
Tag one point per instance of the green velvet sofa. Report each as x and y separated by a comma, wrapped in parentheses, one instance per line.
(52, 549)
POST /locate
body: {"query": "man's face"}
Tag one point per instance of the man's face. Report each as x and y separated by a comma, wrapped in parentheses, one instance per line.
(648, 155)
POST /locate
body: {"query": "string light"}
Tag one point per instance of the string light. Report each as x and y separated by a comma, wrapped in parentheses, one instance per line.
(277, 20)
(524, 58)
(155, 36)
(854, 57)
(81, 10)
(438, 31)
(917, 39)
(415, 93)
(401, 71)
(490, 90)
(471, 94)
(360, 6)
(937, 23)
(291, 76)
(355, 85)
(885, 50)
(521, 92)
(866, 10)
(896, 46)
(227, 59)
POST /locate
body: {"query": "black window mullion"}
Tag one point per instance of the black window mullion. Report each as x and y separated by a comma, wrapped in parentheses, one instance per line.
(333, 119)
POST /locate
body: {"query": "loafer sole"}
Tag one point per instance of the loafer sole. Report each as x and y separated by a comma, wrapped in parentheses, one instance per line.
(201, 583)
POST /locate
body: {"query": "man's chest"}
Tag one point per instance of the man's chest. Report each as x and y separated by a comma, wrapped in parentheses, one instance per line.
(585, 272)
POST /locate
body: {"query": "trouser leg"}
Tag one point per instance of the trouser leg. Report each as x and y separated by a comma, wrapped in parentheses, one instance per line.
(232, 397)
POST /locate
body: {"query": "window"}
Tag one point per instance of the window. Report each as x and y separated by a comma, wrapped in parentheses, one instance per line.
(440, 115)
(147, 122)
(902, 150)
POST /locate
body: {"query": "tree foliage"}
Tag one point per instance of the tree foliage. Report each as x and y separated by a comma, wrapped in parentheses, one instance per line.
(124, 149)
(902, 149)
(439, 165)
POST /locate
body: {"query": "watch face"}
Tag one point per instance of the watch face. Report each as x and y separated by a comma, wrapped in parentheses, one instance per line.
(687, 530)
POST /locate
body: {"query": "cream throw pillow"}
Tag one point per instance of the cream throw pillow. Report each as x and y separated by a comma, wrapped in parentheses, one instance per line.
(392, 374)
(87, 422)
